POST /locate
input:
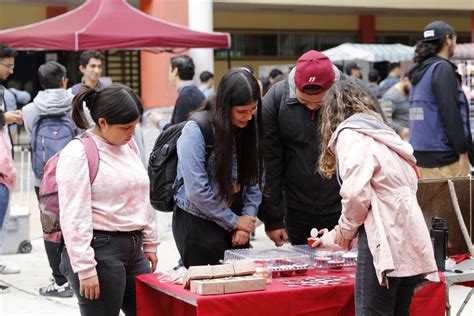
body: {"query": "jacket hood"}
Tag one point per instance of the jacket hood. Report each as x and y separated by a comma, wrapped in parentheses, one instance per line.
(370, 126)
(53, 101)
(416, 73)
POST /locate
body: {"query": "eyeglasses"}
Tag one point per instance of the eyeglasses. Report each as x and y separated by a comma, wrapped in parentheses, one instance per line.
(9, 66)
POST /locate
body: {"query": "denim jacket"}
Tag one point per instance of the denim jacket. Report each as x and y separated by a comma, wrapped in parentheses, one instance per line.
(198, 195)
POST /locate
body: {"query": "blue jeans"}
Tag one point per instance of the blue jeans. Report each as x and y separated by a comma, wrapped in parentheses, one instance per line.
(4, 199)
(373, 299)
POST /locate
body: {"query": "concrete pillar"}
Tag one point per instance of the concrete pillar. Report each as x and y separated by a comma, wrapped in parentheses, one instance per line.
(156, 89)
(367, 29)
(200, 18)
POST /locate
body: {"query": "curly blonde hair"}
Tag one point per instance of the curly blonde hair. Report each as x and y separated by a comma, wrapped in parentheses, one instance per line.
(343, 100)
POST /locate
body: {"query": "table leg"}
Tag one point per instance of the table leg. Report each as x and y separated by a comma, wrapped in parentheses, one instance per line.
(448, 304)
(466, 300)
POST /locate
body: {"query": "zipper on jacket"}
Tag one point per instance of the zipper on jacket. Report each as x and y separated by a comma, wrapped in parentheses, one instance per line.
(313, 116)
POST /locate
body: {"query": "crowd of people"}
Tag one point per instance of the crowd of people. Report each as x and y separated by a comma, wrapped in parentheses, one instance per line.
(316, 147)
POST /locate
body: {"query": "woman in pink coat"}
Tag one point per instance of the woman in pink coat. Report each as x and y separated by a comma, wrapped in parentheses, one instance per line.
(379, 205)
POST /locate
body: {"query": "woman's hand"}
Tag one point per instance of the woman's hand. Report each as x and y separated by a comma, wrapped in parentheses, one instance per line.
(240, 237)
(153, 259)
(318, 242)
(89, 288)
(246, 223)
(14, 117)
(339, 239)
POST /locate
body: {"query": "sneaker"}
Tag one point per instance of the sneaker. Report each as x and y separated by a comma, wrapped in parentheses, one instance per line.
(4, 289)
(179, 265)
(56, 290)
(4, 269)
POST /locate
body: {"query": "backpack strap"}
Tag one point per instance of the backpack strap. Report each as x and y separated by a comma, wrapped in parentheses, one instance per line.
(92, 154)
(132, 145)
(203, 120)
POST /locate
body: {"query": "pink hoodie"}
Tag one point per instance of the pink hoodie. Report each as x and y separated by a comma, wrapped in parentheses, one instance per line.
(7, 169)
(118, 200)
(378, 190)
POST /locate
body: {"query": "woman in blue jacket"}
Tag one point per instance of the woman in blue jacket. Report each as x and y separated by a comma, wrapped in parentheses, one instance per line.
(217, 206)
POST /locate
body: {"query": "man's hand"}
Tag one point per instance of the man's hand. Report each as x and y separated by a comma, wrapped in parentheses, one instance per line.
(405, 134)
(463, 158)
(246, 223)
(89, 288)
(279, 236)
(340, 240)
(240, 237)
(153, 259)
(155, 118)
(14, 117)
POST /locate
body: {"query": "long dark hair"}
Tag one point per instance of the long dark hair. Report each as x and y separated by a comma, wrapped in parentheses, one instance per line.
(117, 104)
(425, 50)
(237, 87)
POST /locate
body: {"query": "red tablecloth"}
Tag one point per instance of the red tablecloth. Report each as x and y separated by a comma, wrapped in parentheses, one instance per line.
(155, 298)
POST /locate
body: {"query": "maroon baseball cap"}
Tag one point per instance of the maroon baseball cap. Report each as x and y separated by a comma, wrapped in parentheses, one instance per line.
(314, 68)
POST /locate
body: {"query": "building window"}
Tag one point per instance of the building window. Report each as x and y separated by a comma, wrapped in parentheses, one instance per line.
(252, 44)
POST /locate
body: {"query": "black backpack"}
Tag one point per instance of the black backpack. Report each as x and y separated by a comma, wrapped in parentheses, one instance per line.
(163, 163)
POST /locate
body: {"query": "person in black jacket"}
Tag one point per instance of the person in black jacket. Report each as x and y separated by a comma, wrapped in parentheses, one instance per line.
(440, 131)
(295, 196)
(189, 96)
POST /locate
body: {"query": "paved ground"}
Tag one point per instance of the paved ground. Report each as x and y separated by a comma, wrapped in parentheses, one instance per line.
(24, 299)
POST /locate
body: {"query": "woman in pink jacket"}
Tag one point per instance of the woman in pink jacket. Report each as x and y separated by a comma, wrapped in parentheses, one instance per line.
(379, 204)
(108, 227)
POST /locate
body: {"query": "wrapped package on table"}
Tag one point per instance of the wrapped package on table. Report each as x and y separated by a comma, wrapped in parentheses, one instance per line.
(244, 267)
(222, 270)
(207, 287)
(197, 273)
(228, 285)
(244, 284)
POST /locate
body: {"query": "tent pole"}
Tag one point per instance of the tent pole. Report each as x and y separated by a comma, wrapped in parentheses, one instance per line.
(228, 59)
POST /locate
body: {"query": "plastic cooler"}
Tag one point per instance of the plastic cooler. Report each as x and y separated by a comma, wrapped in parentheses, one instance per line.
(17, 231)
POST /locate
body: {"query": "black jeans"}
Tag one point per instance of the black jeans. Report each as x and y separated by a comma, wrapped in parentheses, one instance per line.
(200, 241)
(54, 256)
(299, 224)
(119, 259)
(373, 299)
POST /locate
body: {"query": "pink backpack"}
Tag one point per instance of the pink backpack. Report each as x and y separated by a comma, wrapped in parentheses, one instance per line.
(48, 191)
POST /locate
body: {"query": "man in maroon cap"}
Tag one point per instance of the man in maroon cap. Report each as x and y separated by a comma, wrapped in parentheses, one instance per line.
(296, 198)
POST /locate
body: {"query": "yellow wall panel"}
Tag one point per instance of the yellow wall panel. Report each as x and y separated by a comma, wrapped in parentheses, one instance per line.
(399, 4)
(418, 23)
(12, 15)
(283, 21)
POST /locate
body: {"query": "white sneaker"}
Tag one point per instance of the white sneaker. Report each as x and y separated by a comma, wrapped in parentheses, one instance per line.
(4, 269)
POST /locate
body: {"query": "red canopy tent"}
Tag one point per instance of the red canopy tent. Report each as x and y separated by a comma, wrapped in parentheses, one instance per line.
(108, 24)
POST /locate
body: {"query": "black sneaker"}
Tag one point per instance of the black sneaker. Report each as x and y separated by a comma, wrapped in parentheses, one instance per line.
(179, 265)
(4, 289)
(56, 290)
